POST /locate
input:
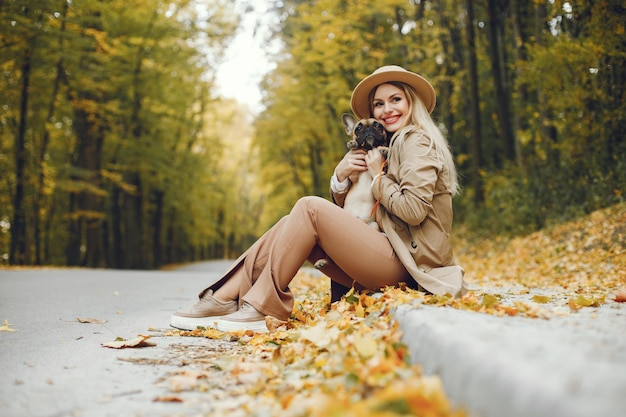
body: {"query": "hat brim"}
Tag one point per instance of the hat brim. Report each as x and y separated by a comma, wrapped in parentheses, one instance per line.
(360, 96)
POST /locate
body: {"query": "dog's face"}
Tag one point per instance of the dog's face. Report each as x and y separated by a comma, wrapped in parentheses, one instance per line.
(366, 133)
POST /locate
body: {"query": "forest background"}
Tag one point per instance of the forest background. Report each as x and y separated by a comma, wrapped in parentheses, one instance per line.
(117, 151)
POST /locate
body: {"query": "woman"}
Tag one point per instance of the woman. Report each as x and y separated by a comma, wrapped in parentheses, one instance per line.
(414, 189)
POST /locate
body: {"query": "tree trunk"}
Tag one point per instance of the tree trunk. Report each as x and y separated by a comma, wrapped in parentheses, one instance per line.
(74, 231)
(520, 43)
(548, 132)
(451, 40)
(157, 226)
(133, 225)
(88, 102)
(477, 160)
(88, 213)
(45, 142)
(495, 45)
(18, 254)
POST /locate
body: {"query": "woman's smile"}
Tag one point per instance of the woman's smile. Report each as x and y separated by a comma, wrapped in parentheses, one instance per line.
(389, 120)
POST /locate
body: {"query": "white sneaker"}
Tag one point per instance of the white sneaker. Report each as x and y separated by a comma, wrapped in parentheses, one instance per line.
(246, 318)
(204, 313)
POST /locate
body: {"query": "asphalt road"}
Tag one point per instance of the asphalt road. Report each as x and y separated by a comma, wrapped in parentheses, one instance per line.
(53, 365)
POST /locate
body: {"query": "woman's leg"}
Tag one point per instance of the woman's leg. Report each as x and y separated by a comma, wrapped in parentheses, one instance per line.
(239, 278)
(235, 284)
(357, 251)
(217, 299)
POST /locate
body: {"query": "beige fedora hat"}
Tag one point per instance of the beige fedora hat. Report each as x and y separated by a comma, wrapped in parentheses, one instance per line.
(360, 96)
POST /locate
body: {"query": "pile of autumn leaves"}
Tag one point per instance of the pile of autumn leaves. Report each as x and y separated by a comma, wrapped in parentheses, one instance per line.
(347, 359)
(553, 272)
(344, 361)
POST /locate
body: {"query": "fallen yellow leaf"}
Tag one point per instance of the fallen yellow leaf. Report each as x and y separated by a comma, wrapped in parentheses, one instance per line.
(168, 399)
(490, 301)
(90, 320)
(366, 346)
(541, 299)
(6, 328)
(320, 335)
(573, 305)
(137, 342)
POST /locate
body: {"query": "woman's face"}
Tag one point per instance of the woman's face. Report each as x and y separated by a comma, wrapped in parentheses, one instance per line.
(390, 107)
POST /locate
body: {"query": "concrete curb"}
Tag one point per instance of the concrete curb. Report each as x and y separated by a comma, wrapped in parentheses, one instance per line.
(569, 366)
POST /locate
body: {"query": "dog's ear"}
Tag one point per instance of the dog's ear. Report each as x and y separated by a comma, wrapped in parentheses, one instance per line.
(348, 121)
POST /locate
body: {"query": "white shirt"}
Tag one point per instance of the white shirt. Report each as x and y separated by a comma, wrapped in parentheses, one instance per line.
(337, 186)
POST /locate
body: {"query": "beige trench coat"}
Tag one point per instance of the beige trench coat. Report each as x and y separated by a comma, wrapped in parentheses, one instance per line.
(415, 211)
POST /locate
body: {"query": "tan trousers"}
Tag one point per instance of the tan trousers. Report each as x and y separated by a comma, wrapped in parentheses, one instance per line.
(315, 229)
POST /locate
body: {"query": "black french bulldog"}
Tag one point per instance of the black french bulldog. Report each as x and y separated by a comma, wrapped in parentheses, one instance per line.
(366, 134)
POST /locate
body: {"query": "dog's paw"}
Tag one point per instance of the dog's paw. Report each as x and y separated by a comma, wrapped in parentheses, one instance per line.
(320, 263)
(384, 151)
(352, 144)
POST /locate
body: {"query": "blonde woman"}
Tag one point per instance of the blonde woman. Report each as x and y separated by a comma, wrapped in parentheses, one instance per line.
(414, 189)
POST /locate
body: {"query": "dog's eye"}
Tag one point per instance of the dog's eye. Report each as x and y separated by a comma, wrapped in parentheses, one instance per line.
(378, 125)
(358, 128)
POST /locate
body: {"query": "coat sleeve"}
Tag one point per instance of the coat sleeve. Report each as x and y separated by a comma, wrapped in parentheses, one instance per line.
(407, 190)
(338, 198)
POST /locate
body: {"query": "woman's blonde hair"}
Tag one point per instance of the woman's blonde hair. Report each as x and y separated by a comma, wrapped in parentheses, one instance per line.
(420, 118)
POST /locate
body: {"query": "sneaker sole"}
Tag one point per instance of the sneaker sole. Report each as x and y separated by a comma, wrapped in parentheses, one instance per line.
(192, 323)
(232, 326)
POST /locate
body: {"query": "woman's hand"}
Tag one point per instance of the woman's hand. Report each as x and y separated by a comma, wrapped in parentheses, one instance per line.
(374, 160)
(352, 164)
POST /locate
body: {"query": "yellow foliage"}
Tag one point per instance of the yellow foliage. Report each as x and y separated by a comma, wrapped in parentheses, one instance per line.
(564, 268)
